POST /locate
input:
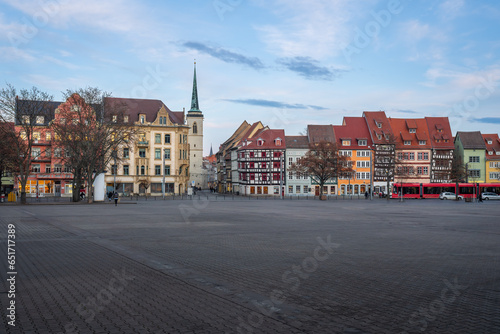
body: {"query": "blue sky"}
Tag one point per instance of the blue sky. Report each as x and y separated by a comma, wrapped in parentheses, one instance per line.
(287, 63)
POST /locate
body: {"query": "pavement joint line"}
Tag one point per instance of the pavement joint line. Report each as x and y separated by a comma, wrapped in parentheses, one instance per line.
(157, 266)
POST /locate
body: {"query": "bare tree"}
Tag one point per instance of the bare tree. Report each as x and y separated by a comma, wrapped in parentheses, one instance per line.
(322, 162)
(28, 109)
(92, 133)
(458, 171)
(9, 159)
(145, 184)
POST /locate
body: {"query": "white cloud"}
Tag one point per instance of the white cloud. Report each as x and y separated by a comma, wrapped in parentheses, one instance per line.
(113, 15)
(450, 9)
(316, 29)
(11, 53)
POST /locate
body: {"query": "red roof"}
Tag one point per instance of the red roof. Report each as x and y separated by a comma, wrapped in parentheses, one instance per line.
(494, 147)
(353, 128)
(400, 126)
(378, 124)
(269, 137)
(440, 132)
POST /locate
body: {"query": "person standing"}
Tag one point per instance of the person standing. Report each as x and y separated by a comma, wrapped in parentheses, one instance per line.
(116, 198)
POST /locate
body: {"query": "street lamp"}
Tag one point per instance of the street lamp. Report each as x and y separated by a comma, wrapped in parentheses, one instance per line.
(114, 170)
(163, 180)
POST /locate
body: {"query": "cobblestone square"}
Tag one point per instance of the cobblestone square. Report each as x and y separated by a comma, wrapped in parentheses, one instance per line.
(253, 266)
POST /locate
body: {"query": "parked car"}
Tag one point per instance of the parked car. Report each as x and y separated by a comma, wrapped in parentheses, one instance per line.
(448, 195)
(488, 196)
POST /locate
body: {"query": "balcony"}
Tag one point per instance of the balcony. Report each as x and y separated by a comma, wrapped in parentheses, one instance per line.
(143, 143)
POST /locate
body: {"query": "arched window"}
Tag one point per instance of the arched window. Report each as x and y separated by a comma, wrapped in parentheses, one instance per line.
(195, 128)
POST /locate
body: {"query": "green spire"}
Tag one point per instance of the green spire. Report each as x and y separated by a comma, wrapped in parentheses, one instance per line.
(194, 98)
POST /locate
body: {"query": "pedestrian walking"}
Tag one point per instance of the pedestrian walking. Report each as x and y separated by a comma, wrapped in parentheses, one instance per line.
(116, 198)
(366, 194)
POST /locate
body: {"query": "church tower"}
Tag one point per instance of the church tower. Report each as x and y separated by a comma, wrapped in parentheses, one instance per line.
(194, 119)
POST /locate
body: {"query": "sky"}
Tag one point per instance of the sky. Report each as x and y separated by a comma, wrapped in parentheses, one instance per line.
(287, 63)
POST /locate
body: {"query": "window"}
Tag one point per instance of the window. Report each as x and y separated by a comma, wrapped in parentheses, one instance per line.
(419, 170)
(290, 176)
(62, 121)
(476, 173)
(278, 141)
(362, 142)
(474, 159)
(264, 164)
(412, 130)
(126, 153)
(57, 168)
(67, 169)
(407, 142)
(252, 154)
(167, 153)
(184, 139)
(125, 170)
(114, 118)
(276, 164)
(421, 142)
(167, 170)
(346, 142)
(406, 156)
(412, 156)
(252, 165)
(346, 153)
(379, 125)
(36, 135)
(35, 168)
(290, 189)
(161, 120)
(47, 168)
(36, 152)
(420, 156)
(276, 154)
(260, 142)
(48, 136)
(426, 170)
(426, 156)
(157, 138)
(143, 170)
(290, 161)
(297, 189)
(157, 170)
(48, 152)
(495, 176)
(263, 154)
(40, 119)
(142, 122)
(264, 177)
(113, 170)
(26, 119)
(252, 176)
(157, 153)
(142, 152)
(306, 189)
(57, 153)
(125, 119)
(167, 139)
(195, 128)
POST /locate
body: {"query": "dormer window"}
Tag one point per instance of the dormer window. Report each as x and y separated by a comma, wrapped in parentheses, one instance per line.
(379, 136)
(346, 142)
(39, 119)
(125, 119)
(142, 119)
(114, 118)
(277, 141)
(490, 142)
(421, 142)
(260, 142)
(490, 152)
(362, 142)
(412, 130)
(407, 142)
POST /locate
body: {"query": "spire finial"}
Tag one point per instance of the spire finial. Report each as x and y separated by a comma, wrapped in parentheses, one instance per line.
(194, 97)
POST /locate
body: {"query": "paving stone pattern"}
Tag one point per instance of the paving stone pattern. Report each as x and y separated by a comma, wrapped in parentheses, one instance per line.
(212, 266)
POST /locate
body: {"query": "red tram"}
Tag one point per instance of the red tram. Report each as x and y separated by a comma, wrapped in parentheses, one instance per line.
(432, 190)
